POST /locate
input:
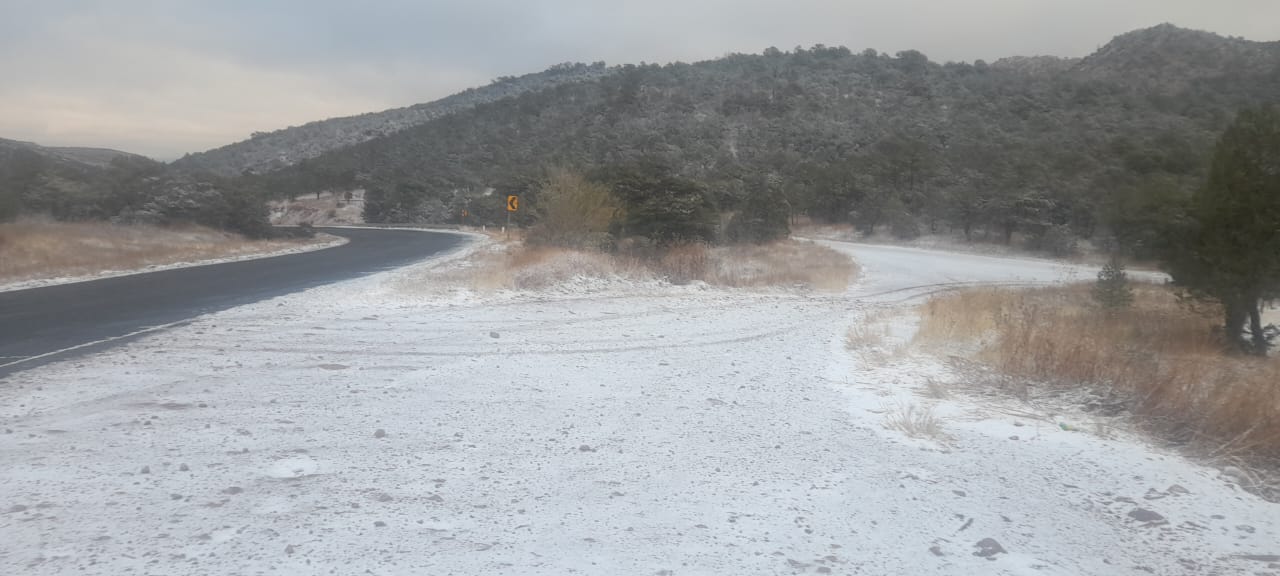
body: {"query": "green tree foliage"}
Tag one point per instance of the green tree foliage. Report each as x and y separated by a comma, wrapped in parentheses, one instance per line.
(10, 204)
(1136, 217)
(127, 188)
(20, 171)
(1228, 249)
(764, 216)
(573, 211)
(1112, 290)
(662, 207)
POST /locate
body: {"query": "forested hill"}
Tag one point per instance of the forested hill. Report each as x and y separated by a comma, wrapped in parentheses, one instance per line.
(1023, 143)
(100, 184)
(92, 157)
(267, 151)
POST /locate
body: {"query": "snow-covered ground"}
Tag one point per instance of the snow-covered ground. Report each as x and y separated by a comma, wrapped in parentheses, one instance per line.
(377, 427)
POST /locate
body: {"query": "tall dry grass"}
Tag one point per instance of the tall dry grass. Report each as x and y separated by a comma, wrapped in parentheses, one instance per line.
(1161, 356)
(916, 422)
(39, 248)
(538, 267)
(784, 263)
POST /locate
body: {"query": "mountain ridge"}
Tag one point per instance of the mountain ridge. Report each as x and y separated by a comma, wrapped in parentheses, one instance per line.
(266, 151)
(1163, 52)
(1037, 143)
(89, 156)
(1135, 55)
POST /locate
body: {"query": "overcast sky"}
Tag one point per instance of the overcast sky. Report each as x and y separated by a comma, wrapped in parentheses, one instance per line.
(165, 77)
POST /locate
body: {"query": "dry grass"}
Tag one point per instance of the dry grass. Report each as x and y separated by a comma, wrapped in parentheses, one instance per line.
(1161, 357)
(33, 249)
(806, 228)
(533, 268)
(935, 390)
(865, 335)
(787, 263)
(783, 263)
(916, 422)
(872, 337)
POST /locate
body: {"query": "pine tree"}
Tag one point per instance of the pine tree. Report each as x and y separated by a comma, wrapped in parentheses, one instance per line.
(1112, 290)
(659, 205)
(763, 217)
(1229, 248)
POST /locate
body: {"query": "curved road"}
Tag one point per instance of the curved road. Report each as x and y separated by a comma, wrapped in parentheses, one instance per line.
(38, 325)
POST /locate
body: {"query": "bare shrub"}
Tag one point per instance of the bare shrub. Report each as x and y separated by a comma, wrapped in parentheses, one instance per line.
(863, 335)
(574, 212)
(915, 421)
(684, 263)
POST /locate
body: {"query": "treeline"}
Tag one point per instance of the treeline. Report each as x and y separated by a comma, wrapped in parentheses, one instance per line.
(1042, 151)
(1221, 244)
(126, 189)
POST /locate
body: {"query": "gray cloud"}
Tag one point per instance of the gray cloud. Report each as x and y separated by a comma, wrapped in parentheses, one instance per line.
(166, 77)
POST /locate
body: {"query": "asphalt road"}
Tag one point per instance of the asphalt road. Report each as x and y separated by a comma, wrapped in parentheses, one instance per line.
(40, 325)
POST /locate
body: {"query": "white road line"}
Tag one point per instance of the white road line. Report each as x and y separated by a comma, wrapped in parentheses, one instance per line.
(94, 343)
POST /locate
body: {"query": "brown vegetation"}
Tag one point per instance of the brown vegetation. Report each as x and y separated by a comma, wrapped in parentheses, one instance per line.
(1161, 358)
(785, 264)
(575, 212)
(916, 422)
(33, 249)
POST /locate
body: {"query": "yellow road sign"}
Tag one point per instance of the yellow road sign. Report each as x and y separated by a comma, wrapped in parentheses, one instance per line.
(513, 203)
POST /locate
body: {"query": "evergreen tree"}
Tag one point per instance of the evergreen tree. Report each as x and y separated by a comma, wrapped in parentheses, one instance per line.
(763, 217)
(1228, 250)
(1112, 290)
(661, 206)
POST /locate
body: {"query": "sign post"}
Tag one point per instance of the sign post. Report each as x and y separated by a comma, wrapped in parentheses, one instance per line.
(513, 204)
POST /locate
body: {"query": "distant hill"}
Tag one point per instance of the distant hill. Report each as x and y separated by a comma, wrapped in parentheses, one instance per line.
(268, 151)
(71, 183)
(100, 157)
(1037, 146)
(1173, 58)
(95, 157)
